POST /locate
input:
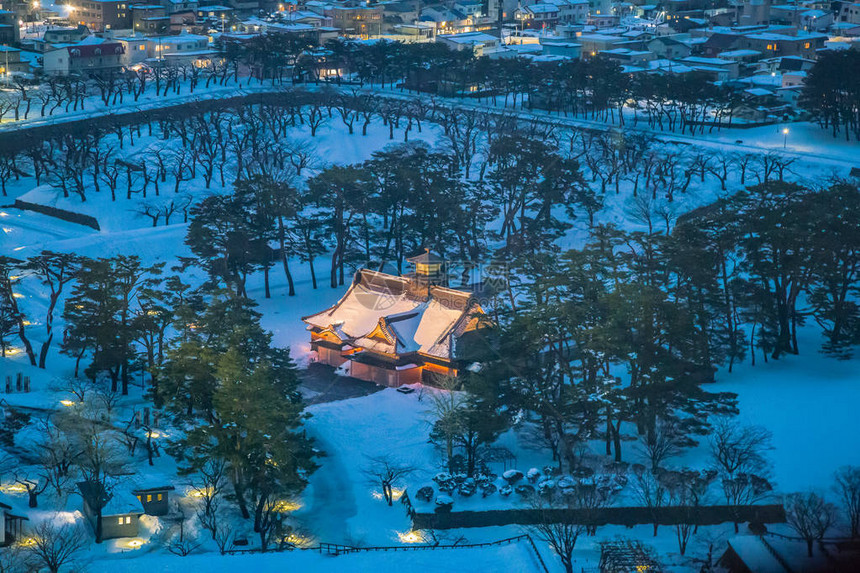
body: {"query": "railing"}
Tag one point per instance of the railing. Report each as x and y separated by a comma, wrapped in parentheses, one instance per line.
(338, 549)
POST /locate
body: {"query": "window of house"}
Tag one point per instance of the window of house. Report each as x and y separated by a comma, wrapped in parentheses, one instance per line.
(159, 497)
(120, 520)
(148, 498)
(127, 519)
(806, 45)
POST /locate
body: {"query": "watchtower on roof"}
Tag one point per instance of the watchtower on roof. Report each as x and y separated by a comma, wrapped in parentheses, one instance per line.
(429, 269)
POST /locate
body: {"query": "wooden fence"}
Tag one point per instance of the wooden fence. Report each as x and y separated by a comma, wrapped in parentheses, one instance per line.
(628, 516)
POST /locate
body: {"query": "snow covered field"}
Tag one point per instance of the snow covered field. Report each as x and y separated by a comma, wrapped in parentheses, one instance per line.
(808, 402)
(516, 558)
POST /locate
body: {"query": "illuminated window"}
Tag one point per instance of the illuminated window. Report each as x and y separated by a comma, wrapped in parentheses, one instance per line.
(806, 45)
(120, 521)
(127, 519)
(159, 497)
(148, 498)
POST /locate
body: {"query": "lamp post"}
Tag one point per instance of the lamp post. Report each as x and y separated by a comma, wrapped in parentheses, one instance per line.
(784, 137)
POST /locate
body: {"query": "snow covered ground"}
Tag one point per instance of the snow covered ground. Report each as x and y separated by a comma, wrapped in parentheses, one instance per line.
(808, 402)
(516, 558)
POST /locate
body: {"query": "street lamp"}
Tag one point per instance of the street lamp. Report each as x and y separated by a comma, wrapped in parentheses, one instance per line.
(784, 137)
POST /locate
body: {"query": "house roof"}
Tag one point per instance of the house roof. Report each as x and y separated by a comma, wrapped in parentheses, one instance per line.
(387, 314)
(114, 504)
(152, 489)
(426, 258)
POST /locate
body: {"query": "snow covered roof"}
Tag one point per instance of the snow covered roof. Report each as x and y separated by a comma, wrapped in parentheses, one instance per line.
(740, 53)
(426, 258)
(396, 315)
(469, 38)
(542, 8)
(707, 61)
(117, 503)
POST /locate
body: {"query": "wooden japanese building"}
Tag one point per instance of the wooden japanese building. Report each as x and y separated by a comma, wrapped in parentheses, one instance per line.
(11, 524)
(155, 500)
(120, 515)
(395, 330)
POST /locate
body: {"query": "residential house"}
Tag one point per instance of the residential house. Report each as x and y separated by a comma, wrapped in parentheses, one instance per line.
(10, 32)
(89, 55)
(593, 44)
(804, 45)
(479, 42)
(11, 62)
(180, 6)
(602, 21)
(721, 69)
(562, 48)
(755, 12)
(149, 19)
(537, 16)
(571, 11)
(215, 13)
(183, 49)
(668, 47)
(358, 20)
(850, 13)
(64, 35)
(626, 57)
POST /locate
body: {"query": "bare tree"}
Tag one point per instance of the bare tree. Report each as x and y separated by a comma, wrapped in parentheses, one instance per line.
(385, 471)
(107, 399)
(560, 535)
(652, 493)
(16, 559)
(810, 516)
(182, 547)
(302, 155)
(739, 448)
(79, 387)
(738, 454)
(55, 546)
(848, 488)
(660, 444)
(208, 486)
(224, 537)
(315, 118)
(100, 465)
(683, 496)
(56, 455)
(34, 490)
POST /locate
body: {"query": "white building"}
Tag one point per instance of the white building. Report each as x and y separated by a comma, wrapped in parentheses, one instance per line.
(179, 50)
(92, 54)
(479, 42)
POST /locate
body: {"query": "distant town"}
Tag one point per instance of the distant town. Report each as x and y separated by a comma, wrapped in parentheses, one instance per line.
(759, 50)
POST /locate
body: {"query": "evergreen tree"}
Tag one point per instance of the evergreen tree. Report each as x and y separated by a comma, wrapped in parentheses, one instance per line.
(100, 315)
